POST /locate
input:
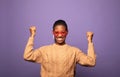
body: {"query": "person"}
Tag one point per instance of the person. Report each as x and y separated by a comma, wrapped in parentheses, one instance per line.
(59, 59)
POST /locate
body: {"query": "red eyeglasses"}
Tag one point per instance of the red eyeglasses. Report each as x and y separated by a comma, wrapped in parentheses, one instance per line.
(63, 33)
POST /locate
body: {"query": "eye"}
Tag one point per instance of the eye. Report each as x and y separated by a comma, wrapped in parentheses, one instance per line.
(63, 32)
(56, 32)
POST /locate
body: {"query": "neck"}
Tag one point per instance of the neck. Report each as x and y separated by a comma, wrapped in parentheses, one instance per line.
(60, 44)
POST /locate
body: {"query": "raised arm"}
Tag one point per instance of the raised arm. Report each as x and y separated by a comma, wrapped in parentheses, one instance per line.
(90, 58)
(91, 51)
(31, 54)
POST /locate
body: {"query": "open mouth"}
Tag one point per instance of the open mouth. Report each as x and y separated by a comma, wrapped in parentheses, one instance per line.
(60, 38)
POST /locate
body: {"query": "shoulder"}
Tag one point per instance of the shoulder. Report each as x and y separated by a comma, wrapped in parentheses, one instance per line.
(45, 47)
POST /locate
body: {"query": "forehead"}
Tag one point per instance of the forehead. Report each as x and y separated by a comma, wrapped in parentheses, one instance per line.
(59, 28)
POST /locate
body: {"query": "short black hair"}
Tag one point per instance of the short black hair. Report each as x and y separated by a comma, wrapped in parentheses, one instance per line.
(60, 22)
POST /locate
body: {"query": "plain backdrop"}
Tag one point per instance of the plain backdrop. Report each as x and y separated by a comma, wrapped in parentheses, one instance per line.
(99, 16)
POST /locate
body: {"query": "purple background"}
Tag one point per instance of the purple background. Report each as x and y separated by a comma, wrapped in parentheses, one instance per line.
(100, 16)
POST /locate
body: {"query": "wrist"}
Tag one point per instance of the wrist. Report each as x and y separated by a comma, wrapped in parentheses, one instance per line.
(32, 36)
(90, 41)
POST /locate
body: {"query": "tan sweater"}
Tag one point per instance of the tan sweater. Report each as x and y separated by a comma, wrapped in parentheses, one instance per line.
(58, 61)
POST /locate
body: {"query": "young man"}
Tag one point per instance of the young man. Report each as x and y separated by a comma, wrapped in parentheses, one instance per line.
(59, 59)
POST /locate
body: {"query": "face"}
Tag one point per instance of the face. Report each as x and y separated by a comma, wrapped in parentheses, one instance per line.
(60, 34)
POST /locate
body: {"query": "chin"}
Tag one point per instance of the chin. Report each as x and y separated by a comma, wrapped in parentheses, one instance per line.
(60, 43)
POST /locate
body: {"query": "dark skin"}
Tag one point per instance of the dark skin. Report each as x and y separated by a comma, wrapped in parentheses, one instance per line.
(61, 34)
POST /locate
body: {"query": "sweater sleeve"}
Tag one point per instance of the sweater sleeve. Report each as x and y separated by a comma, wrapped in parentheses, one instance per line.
(88, 59)
(31, 54)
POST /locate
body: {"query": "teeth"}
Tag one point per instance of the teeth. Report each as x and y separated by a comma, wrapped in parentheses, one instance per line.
(59, 38)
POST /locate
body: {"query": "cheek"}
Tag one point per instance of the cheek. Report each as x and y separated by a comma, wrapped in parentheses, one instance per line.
(58, 36)
(55, 36)
(64, 35)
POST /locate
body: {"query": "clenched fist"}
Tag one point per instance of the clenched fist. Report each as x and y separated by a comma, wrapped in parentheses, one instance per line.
(89, 37)
(32, 31)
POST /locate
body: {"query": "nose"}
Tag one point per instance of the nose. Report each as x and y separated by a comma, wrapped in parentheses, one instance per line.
(59, 34)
